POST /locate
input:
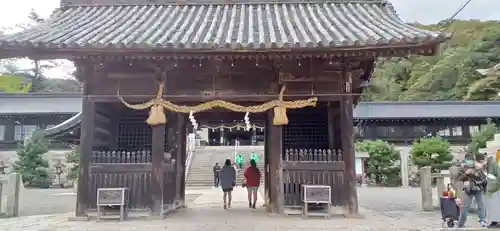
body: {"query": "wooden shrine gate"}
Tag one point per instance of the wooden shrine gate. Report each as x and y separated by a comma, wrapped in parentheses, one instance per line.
(208, 60)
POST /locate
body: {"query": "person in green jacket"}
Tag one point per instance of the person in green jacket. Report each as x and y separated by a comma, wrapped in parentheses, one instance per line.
(239, 160)
(254, 157)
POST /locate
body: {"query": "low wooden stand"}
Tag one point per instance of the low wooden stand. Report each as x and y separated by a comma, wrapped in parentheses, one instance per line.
(316, 195)
(109, 197)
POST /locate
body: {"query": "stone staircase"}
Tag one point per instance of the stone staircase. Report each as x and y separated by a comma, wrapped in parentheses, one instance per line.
(200, 173)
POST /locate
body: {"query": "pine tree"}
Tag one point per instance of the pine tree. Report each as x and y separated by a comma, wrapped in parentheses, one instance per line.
(432, 151)
(31, 164)
(486, 133)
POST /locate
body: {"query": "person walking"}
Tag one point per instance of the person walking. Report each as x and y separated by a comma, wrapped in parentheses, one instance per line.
(254, 156)
(239, 160)
(216, 170)
(227, 176)
(474, 184)
(252, 182)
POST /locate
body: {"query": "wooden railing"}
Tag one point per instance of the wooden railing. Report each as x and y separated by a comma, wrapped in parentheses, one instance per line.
(313, 155)
(312, 167)
(123, 157)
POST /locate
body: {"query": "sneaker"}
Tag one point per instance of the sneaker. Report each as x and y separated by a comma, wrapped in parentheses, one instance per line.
(482, 224)
(225, 206)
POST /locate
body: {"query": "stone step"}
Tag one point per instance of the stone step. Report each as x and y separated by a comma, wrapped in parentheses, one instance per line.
(200, 173)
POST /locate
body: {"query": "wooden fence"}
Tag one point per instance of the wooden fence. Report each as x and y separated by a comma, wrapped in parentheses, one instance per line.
(129, 169)
(312, 167)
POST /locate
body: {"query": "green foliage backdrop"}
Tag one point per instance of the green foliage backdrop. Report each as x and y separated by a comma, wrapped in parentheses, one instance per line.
(449, 76)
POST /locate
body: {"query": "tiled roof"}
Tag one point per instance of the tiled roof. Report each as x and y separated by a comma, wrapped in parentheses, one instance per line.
(40, 104)
(245, 26)
(427, 110)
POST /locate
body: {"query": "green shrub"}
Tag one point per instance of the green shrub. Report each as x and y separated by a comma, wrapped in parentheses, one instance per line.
(381, 165)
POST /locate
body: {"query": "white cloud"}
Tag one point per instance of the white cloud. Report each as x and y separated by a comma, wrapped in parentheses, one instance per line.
(423, 11)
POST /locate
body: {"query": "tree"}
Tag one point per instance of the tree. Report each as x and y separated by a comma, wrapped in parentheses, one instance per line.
(34, 75)
(31, 164)
(381, 164)
(450, 76)
(486, 133)
(13, 84)
(431, 151)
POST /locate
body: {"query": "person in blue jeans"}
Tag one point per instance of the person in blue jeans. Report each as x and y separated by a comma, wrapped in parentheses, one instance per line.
(474, 181)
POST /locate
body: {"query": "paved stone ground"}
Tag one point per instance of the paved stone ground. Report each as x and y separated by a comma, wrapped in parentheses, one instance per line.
(47, 201)
(382, 209)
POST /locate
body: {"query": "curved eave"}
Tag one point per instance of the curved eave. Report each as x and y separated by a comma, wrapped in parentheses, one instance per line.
(63, 129)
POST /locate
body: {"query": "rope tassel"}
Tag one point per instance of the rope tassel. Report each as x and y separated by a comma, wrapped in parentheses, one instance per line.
(280, 117)
(156, 115)
(157, 111)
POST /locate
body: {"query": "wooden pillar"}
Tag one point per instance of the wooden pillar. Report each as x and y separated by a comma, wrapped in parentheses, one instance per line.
(274, 141)
(347, 134)
(157, 159)
(86, 145)
(267, 165)
(180, 153)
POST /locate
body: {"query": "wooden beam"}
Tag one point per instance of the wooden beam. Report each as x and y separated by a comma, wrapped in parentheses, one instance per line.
(121, 76)
(204, 98)
(126, 168)
(402, 50)
(157, 158)
(329, 166)
(347, 136)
